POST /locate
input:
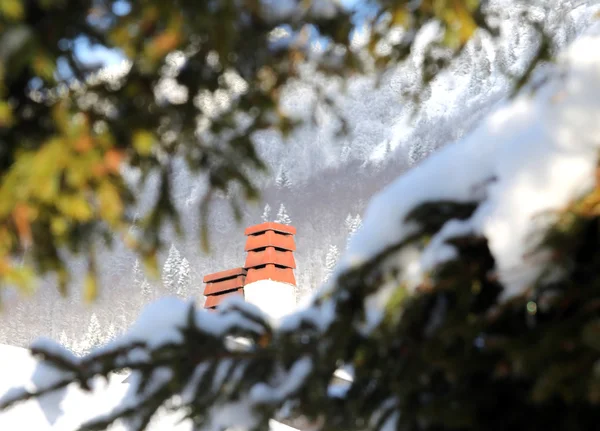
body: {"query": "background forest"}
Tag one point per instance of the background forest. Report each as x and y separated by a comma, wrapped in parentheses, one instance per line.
(318, 181)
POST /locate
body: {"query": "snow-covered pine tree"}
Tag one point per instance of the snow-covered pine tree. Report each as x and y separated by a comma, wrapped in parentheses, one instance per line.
(170, 272)
(388, 149)
(93, 336)
(348, 223)
(184, 279)
(282, 216)
(146, 291)
(111, 333)
(331, 259)
(266, 215)
(345, 152)
(352, 225)
(138, 274)
(356, 223)
(283, 181)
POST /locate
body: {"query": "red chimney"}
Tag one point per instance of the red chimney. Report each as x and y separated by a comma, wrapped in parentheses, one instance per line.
(223, 284)
(270, 248)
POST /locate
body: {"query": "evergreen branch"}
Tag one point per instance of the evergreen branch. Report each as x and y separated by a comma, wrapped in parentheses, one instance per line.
(17, 396)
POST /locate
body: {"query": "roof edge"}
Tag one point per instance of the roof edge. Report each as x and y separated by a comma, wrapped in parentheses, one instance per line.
(221, 275)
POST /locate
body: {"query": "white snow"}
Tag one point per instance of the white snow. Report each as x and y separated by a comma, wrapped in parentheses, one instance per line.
(159, 322)
(18, 367)
(263, 393)
(68, 409)
(531, 156)
(274, 298)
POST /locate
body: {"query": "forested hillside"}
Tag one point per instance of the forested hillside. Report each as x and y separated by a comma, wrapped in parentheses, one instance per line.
(319, 181)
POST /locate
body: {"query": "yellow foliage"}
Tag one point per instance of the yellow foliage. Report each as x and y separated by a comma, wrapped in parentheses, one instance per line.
(464, 22)
(21, 216)
(143, 142)
(44, 170)
(22, 277)
(151, 264)
(401, 17)
(4, 266)
(6, 115)
(44, 66)
(111, 206)
(11, 9)
(75, 207)
(58, 226)
(90, 289)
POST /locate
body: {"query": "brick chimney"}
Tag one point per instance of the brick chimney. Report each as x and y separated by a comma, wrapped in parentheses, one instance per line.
(221, 285)
(270, 282)
(267, 278)
(270, 247)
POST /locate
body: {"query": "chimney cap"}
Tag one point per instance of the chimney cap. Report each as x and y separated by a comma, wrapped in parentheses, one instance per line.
(222, 275)
(277, 227)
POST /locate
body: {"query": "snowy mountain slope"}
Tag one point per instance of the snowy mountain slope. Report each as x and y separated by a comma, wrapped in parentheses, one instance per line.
(530, 158)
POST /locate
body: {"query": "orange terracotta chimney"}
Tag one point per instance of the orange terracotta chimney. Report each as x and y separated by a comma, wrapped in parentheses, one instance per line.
(223, 284)
(270, 247)
(267, 278)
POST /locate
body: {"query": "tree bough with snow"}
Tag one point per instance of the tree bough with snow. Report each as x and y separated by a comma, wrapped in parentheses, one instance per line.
(469, 299)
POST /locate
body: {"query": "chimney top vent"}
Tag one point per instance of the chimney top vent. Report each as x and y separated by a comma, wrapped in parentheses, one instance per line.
(268, 226)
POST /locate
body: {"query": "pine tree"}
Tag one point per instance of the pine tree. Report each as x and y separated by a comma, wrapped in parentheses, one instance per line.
(111, 333)
(93, 336)
(140, 282)
(345, 152)
(146, 289)
(266, 215)
(388, 149)
(282, 216)
(138, 274)
(352, 225)
(356, 223)
(331, 259)
(170, 272)
(282, 181)
(184, 279)
(349, 222)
